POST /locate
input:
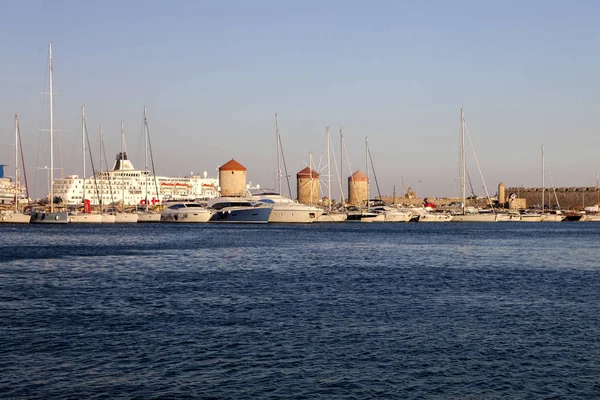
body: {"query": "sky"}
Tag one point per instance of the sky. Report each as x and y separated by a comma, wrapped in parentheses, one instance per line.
(213, 74)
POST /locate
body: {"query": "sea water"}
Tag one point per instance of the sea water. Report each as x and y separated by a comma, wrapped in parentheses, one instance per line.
(361, 311)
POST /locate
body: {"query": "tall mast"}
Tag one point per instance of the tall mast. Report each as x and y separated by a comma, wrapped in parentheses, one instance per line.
(328, 172)
(101, 177)
(598, 203)
(341, 166)
(17, 186)
(278, 151)
(311, 176)
(146, 156)
(122, 158)
(83, 147)
(543, 179)
(463, 165)
(51, 128)
(367, 165)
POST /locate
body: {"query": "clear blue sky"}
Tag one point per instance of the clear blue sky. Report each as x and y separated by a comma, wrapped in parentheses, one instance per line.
(212, 74)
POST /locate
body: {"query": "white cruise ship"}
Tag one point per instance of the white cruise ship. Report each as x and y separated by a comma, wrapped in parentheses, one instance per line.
(133, 186)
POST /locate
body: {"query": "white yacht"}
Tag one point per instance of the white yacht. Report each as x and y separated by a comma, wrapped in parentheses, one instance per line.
(284, 209)
(239, 210)
(390, 214)
(185, 211)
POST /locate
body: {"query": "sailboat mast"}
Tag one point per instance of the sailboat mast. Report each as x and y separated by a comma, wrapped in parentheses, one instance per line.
(367, 165)
(342, 164)
(83, 147)
(543, 179)
(597, 189)
(463, 166)
(51, 128)
(101, 177)
(310, 163)
(146, 156)
(122, 158)
(17, 186)
(328, 172)
(277, 139)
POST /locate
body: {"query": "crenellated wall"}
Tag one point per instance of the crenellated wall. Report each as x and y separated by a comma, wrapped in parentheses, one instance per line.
(575, 198)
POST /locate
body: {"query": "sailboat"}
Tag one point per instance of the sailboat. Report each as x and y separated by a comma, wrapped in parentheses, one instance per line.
(147, 215)
(331, 215)
(389, 214)
(550, 215)
(107, 218)
(468, 216)
(591, 213)
(51, 216)
(284, 209)
(85, 217)
(15, 216)
(122, 217)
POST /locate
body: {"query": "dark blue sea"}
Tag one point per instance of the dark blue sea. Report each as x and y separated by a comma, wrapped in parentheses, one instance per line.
(350, 311)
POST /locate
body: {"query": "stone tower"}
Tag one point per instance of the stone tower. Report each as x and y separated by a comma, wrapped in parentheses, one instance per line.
(308, 186)
(501, 194)
(232, 178)
(358, 189)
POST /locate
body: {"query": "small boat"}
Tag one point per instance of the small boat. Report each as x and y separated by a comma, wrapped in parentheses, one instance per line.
(572, 216)
(15, 216)
(238, 210)
(590, 218)
(186, 212)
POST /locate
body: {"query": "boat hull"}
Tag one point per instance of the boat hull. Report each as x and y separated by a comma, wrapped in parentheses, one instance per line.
(196, 216)
(532, 218)
(85, 219)
(108, 218)
(474, 218)
(435, 218)
(252, 215)
(148, 217)
(295, 216)
(397, 217)
(57, 217)
(553, 217)
(590, 218)
(126, 218)
(14, 218)
(332, 217)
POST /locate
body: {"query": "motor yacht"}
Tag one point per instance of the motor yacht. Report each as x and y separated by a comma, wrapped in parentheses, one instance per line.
(283, 209)
(185, 211)
(239, 210)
